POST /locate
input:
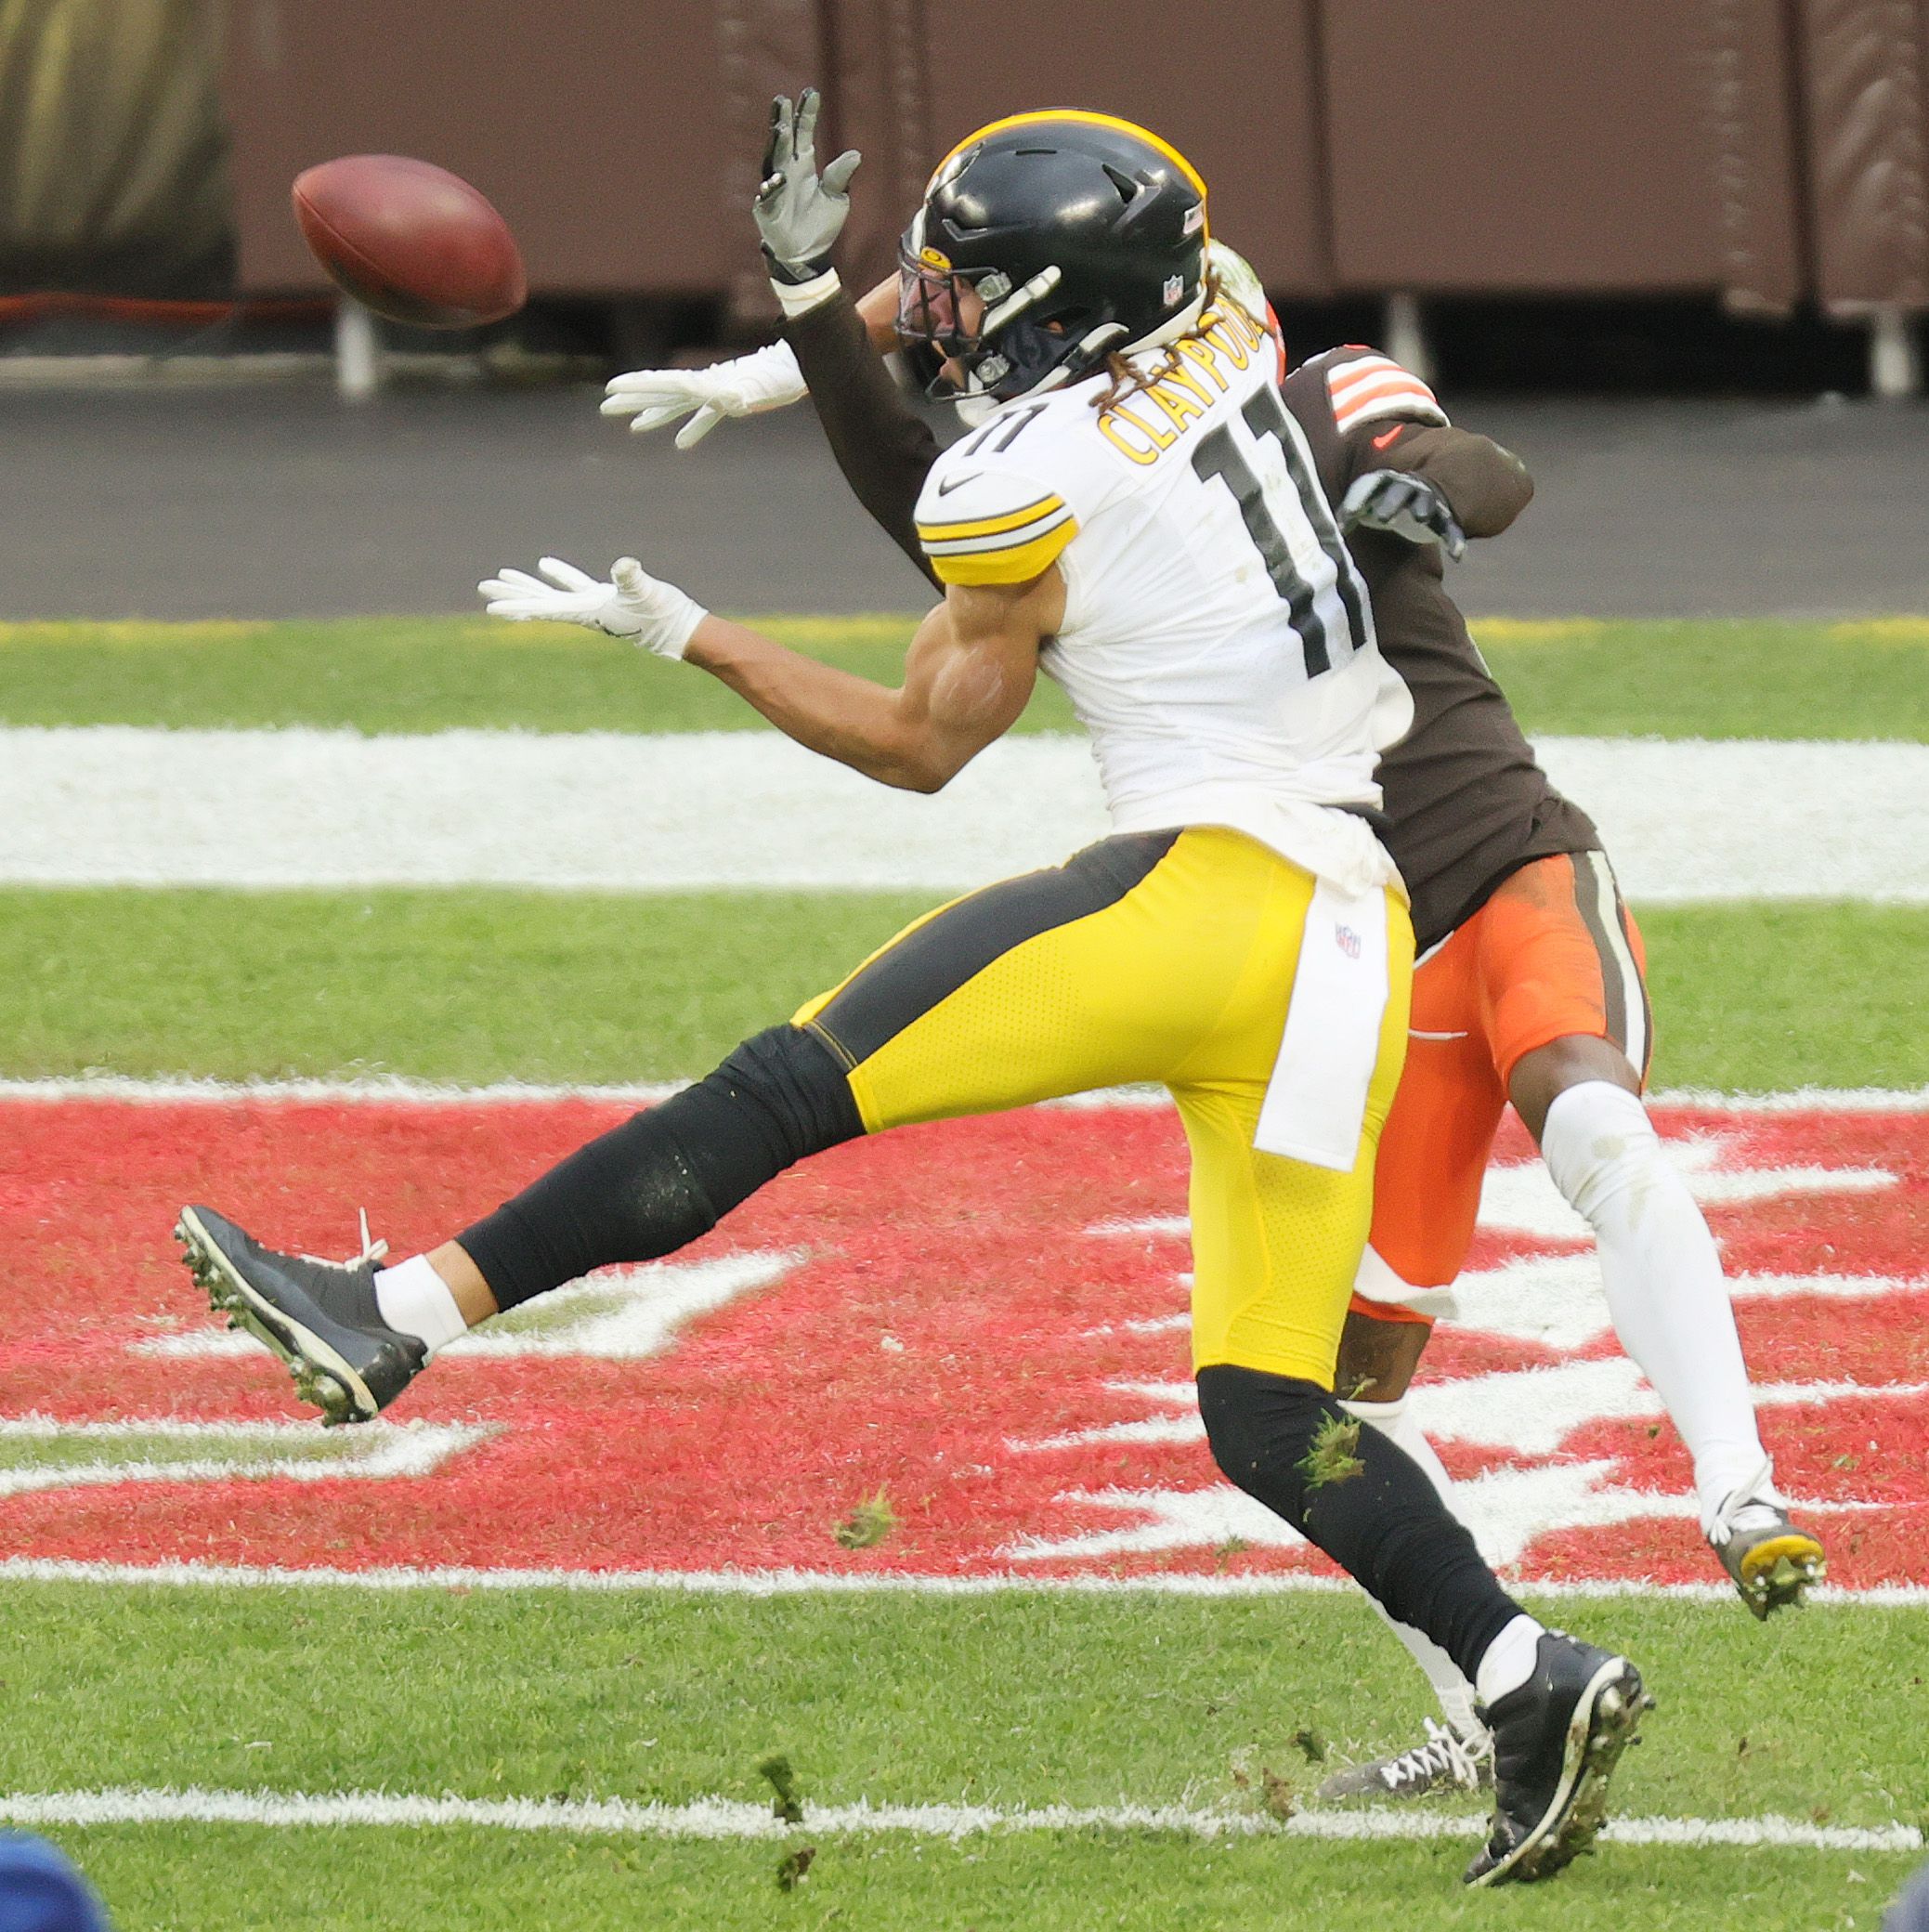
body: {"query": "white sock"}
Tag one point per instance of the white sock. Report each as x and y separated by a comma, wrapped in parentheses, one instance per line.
(1508, 1661)
(1455, 1694)
(413, 1300)
(1662, 1274)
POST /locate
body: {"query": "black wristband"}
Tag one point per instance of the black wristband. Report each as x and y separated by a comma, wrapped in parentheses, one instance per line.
(795, 273)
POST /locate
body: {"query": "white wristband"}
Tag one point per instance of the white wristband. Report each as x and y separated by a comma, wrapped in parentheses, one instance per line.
(795, 297)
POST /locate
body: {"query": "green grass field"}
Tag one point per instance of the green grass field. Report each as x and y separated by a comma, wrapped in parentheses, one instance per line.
(1671, 680)
(1016, 1700)
(479, 985)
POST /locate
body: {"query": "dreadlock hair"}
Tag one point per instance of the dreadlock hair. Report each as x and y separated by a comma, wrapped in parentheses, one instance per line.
(1130, 381)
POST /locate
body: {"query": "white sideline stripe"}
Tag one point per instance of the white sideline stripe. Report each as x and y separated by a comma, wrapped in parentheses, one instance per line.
(392, 1090)
(721, 1817)
(838, 1582)
(126, 805)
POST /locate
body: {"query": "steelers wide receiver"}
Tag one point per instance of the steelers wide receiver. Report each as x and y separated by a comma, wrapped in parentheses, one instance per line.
(1531, 984)
(1137, 516)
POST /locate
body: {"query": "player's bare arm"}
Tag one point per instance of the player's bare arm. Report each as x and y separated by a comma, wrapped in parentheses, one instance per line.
(968, 675)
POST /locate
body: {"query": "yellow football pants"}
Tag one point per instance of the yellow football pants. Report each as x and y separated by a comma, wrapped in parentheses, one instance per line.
(1163, 957)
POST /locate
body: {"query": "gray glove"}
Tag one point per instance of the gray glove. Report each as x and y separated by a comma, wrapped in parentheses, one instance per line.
(801, 212)
(1404, 505)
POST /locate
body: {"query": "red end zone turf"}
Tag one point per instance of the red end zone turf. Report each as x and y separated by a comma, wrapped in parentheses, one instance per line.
(966, 1316)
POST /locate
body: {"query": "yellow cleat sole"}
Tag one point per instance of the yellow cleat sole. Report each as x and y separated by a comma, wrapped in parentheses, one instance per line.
(1779, 1571)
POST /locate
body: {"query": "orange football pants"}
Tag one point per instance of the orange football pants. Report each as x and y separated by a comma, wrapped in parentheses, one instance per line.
(1552, 953)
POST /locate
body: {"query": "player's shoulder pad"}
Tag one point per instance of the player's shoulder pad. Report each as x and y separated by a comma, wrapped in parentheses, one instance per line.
(1364, 387)
(983, 517)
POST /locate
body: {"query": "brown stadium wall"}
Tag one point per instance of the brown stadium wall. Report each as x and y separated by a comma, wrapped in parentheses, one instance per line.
(620, 137)
(1531, 148)
(1761, 151)
(1867, 129)
(1234, 86)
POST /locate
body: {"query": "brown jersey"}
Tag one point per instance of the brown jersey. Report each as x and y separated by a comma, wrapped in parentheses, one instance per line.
(1466, 803)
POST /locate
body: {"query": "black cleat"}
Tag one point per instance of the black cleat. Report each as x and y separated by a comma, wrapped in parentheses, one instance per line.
(320, 1317)
(1445, 1762)
(1555, 1742)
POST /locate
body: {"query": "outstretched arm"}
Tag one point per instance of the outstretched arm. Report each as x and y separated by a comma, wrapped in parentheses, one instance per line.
(968, 673)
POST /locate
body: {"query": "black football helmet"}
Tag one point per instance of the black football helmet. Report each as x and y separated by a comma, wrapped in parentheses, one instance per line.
(1081, 234)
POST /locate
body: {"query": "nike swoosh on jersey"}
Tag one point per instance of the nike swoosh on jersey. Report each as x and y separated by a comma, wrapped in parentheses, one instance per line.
(951, 483)
(1380, 442)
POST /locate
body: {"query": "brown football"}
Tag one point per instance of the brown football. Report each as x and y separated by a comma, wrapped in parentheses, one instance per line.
(411, 240)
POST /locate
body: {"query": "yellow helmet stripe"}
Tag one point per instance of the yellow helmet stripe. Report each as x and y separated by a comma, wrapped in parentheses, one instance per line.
(1088, 118)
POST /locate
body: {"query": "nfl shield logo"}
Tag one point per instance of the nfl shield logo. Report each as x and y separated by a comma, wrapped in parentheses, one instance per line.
(1349, 941)
(1174, 288)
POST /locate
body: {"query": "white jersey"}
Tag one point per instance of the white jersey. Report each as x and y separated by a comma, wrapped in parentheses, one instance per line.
(1218, 642)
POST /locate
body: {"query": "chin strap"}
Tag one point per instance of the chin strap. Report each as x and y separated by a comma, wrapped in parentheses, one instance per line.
(975, 405)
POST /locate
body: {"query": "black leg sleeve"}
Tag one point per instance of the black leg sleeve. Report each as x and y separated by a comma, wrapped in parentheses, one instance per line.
(1361, 1498)
(654, 1183)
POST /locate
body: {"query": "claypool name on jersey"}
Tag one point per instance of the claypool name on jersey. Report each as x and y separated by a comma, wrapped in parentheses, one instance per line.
(1019, 541)
(1206, 580)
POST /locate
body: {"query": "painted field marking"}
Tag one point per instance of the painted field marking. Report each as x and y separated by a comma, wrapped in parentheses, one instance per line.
(380, 1452)
(625, 1315)
(730, 1819)
(1507, 1509)
(1558, 1301)
(906, 1271)
(846, 1583)
(106, 804)
(1530, 1411)
(1520, 1197)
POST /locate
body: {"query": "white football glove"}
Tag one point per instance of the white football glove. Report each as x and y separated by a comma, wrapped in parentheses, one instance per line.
(745, 385)
(634, 605)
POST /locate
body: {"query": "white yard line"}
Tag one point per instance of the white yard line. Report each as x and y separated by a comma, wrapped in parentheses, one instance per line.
(731, 1819)
(122, 804)
(808, 1583)
(395, 1089)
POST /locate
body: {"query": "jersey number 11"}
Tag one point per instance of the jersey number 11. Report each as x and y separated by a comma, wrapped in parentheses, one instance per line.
(1217, 455)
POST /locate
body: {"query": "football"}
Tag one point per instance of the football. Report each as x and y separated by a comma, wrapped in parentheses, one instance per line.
(411, 240)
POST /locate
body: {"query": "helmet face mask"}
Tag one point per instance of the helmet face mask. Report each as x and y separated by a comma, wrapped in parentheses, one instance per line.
(942, 307)
(1043, 244)
(977, 324)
